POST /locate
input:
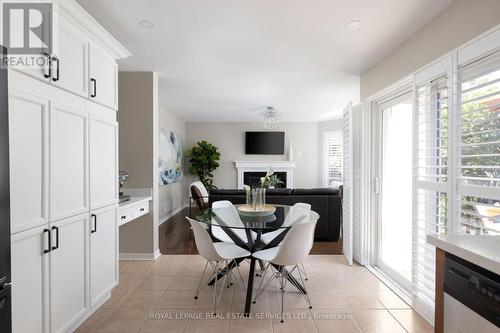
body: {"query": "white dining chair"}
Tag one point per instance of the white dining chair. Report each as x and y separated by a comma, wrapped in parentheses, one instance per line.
(296, 211)
(293, 249)
(226, 211)
(218, 256)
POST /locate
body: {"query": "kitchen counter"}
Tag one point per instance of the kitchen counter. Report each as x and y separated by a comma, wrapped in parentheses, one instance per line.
(133, 201)
(482, 250)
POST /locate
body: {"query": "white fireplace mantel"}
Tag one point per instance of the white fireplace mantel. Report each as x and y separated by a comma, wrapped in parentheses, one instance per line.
(277, 166)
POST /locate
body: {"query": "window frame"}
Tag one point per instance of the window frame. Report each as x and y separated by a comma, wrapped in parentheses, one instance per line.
(326, 135)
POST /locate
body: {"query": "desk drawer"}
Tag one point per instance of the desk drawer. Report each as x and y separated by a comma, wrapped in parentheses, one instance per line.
(125, 216)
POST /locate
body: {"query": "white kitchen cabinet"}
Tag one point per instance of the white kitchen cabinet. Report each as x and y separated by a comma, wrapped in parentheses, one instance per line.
(30, 281)
(28, 135)
(103, 253)
(103, 156)
(68, 159)
(68, 272)
(70, 57)
(103, 81)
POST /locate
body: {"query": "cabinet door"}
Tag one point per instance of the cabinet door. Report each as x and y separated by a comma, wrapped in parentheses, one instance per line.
(70, 58)
(103, 157)
(68, 161)
(103, 253)
(68, 272)
(103, 77)
(30, 299)
(28, 135)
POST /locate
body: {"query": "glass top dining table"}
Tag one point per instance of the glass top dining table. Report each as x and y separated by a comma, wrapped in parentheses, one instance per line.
(267, 218)
(234, 219)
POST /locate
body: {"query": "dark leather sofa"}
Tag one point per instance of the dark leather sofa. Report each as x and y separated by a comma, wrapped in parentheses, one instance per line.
(327, 202)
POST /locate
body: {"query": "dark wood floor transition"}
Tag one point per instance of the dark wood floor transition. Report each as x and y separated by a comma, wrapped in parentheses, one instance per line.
(177, 238)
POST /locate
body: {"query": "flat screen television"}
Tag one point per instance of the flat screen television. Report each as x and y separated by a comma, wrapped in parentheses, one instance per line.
(265, 143)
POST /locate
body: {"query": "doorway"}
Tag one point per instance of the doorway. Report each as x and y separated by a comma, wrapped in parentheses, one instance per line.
(396, 186)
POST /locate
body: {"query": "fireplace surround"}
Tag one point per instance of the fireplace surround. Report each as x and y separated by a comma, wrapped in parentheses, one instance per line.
(257, 169)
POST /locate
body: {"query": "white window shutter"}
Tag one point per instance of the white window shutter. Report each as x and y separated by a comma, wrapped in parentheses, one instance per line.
(333, 158)
(478, 142)
(347, 239)
(431, 193)
(358, 135)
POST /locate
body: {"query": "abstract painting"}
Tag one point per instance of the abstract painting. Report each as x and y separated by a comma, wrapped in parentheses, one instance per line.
(169, 157)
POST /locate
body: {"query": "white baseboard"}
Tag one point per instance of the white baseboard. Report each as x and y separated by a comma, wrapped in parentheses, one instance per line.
(140, 256)
(172, 213)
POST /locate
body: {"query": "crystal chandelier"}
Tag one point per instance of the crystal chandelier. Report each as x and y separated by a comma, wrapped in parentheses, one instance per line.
(271, 117)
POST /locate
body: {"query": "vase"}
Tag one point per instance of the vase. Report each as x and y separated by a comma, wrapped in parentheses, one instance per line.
(258, 198)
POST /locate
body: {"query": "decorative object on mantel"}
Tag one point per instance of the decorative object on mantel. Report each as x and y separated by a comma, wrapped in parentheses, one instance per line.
(273, 181)
(248, 210)
(203, 159)
(290, 152)
(271, 117)
(169, 157)
(122, 177)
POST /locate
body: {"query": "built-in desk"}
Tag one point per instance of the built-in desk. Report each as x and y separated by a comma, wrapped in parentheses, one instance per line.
(137, 206)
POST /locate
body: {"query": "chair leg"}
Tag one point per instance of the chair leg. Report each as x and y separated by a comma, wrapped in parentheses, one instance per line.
(283, 279)
(216, 269)
(201, 280)
(261, 281)
(303, 270)
(308, 300)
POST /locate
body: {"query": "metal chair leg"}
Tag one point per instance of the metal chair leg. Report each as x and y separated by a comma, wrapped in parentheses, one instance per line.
(303, 270)
(305, 294)
(261, 281)
(201, 280)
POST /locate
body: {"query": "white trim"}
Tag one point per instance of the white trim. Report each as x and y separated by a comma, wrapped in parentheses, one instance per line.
(263, 166)
(172, 213)
(101, 36)
(326, 134)
(479, 48)
(140, 256)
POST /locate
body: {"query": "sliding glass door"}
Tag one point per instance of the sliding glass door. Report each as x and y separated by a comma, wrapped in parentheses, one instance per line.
(396, 178)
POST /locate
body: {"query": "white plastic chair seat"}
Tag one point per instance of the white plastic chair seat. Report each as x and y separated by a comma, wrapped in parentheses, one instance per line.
(269, 236)
(221, 235)
(267, 254)
(229, 251)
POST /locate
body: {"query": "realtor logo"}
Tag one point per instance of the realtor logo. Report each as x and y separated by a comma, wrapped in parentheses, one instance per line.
(27, 28)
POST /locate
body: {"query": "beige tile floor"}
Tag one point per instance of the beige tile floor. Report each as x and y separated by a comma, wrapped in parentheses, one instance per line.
(158, 297)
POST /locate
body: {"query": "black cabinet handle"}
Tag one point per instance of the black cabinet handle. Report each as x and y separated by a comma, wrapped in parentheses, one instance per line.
(124, 217)
(94, 218)
(50, 66)
(50, 241)
(142, 209)
(56, 59)
(94, 94)
(57, 238)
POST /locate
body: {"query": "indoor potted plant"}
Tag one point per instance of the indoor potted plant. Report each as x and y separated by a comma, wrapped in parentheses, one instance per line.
(204, 159)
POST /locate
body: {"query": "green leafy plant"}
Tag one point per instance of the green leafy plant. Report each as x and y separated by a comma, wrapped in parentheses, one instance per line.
(273, 181)
(203, 158)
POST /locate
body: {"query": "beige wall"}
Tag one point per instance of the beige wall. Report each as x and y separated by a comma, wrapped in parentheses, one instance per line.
(174, 196)
(460, 22)
(138, 137)
(325, 126)
(230, 139)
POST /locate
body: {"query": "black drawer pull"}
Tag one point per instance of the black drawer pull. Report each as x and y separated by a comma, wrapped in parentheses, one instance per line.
(124, 217)
(142, 209)
(94, 94)
(48, 249)
(56, 59)
(57, 238)
(94, 219)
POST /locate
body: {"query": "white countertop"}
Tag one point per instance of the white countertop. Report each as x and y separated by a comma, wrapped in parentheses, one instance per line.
(134, 200)
(482, 250)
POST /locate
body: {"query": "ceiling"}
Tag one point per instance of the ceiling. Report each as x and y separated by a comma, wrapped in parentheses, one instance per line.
(225, 60)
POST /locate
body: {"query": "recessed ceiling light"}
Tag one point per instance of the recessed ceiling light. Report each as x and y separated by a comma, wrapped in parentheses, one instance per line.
(353, 25)
(146, 24)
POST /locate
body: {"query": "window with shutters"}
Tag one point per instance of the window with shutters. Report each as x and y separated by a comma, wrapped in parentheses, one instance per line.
(431, 192)
(478, 142)
(332, 158)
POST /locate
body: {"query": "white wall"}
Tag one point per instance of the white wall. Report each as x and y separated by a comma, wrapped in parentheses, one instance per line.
(174, 196)
(230, 139)
(460, 22)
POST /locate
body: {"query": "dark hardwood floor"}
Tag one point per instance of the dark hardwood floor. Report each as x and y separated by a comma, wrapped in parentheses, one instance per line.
(177, 238)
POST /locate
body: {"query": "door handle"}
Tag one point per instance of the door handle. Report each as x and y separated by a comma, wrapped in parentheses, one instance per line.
(94, 218)
(56, 59)
(50, 242)
(49, 58)
(94, 94)
(57, 238)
